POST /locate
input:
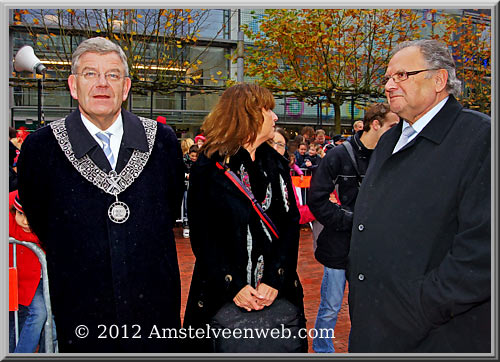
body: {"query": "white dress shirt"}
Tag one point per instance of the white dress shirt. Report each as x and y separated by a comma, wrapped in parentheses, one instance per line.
(116, 130)
(419, 125)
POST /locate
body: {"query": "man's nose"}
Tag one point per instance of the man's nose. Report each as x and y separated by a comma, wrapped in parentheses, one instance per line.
(390, 84)
(102, 80)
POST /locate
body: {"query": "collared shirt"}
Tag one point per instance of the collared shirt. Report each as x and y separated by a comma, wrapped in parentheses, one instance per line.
(419, 125)
(116, 130)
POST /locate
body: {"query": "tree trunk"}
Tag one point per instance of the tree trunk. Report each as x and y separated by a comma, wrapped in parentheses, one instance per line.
(338, 126)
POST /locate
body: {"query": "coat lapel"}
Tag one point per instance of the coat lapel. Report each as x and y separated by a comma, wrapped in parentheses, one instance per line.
(83, 143)
(435, 130)
(134, 138)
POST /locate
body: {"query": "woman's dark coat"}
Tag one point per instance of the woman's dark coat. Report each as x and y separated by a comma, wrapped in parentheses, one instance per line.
(100, 272)
(218, 215)
(420, 259)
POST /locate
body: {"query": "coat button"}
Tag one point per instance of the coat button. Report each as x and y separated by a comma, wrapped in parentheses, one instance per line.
(281, 271)
(200, 304)
(361, 227)
(228, 278)
(361, 277)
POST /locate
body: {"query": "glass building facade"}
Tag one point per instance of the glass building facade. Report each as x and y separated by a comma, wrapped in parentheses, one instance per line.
(183, 108)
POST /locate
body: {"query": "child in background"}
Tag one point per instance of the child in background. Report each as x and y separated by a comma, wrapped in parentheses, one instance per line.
(300, 154)
(199, 141)
(319, 151)
(294, 167)
(311, 160)
(191, 158)
(305, 214)
(30, 287)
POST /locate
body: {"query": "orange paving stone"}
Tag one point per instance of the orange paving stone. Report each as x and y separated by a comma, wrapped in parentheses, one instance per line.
(310, 274)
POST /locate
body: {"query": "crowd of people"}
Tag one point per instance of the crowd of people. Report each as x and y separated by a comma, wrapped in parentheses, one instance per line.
(401, 208)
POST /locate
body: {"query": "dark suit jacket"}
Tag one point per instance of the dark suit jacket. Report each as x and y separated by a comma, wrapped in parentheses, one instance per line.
(100, 272)
(419, 265)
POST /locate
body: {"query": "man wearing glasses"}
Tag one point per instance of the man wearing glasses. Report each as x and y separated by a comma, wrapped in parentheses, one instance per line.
(419, 265)
(100, 189)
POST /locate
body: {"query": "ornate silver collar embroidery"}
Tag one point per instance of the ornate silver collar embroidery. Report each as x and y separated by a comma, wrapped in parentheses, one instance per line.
(111, 183)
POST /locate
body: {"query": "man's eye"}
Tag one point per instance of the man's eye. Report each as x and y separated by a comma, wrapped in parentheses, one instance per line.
(113, 76)
(90, 74)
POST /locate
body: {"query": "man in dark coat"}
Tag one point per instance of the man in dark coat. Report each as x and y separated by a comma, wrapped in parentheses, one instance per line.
(103, 209)
(419, 265)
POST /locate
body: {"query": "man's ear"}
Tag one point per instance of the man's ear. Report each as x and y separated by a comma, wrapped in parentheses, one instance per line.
(72, 86)
(441, 79)
(126, 88)
(375, 125)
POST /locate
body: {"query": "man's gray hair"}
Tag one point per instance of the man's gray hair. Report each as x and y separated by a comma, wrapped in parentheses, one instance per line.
(437, 56)
(98, 45)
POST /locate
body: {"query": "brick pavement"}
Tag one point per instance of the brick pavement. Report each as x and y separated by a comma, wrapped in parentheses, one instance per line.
(310, 274)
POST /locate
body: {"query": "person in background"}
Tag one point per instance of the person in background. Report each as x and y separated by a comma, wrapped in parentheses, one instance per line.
(279, 142)
(338, 172)
(308, 133)
(186, 144)
(293, 144)
(319, 151)
(246, 264)
(320, 138)
(357, 126)
(338, 139)
(300, 154)
(199, 141)
(101, 189)
(14, 146)
(293, 166)
(192, 156)
(311, 160)
(32, 309)
(420, 259)
(14, 150)
(161, 119)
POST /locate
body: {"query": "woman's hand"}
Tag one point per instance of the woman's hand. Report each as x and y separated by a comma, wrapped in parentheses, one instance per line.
(269, 294)
(248, 298)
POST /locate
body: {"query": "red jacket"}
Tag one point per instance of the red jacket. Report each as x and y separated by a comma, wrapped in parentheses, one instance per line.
(28, 266)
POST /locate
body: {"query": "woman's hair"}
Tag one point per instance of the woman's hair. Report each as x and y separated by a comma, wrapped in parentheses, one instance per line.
(236, 119)
(186, 143)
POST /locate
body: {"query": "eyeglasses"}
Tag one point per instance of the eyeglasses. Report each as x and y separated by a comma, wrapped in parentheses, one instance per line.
(279, 144)
(93, 76)
(402, 76)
